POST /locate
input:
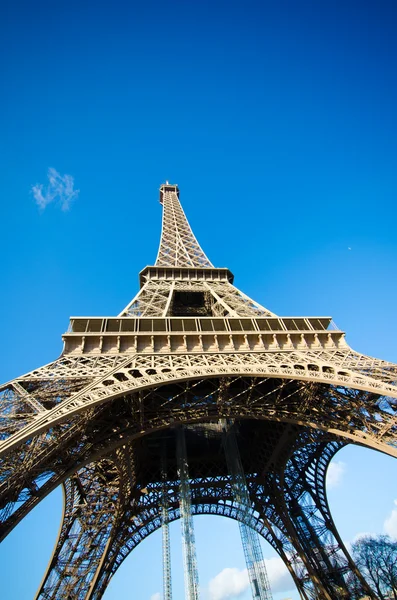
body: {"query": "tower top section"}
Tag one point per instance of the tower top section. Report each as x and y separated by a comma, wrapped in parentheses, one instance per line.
(168, 187)
(178, 245)
(183, 282)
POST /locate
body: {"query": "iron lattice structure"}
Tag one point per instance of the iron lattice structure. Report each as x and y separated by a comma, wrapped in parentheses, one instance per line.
(250, 538)
(191, 349)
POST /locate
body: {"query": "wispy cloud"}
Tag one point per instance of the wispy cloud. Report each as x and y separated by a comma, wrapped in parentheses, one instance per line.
(59, 189)
(390, 524)
(156, 596)
(357, 537)
(335, 473)
(279, 578)
(231, 583)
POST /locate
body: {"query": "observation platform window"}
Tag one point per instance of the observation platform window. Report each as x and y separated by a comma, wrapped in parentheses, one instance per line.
(320, 324)
(79, 325)
(176, 325)
(263, 324)
(295, 324)
(113, 325)
(247, 325)
(189, 325)
(191, 304)
(276, 325)
(94, 325)
(128, 325)
(159, 325)
(206, 325)
(146, 325)
(219, 324)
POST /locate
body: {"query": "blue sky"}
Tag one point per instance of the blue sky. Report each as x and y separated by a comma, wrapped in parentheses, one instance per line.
(278, 122)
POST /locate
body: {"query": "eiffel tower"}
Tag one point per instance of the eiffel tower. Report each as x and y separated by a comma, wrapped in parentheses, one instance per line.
(191, 349)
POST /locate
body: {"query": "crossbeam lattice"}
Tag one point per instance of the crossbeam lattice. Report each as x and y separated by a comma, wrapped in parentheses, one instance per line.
(188, 350)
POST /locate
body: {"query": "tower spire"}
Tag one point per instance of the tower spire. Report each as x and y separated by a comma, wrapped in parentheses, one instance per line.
(178, 245)
(183, 282)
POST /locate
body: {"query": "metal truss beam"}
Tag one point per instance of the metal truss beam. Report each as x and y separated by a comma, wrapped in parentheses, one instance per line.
(178, 245)
(190, 348)
(32, 474)
(188, 537)
(256, 568)
(215, 495)
(379, 421)
(167, 580)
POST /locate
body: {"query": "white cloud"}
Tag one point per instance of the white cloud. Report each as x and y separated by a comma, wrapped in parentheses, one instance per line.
(335, 473)
(362, 534)
(232, 583)
(60, 189)
(279, 577)
(229, 583)
(156, 596)
(390, 524)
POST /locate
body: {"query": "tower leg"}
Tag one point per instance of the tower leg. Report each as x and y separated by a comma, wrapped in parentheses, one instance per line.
(251, 544)
(310, 522)
(90, 510)
(188, 538)
(167, 583)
